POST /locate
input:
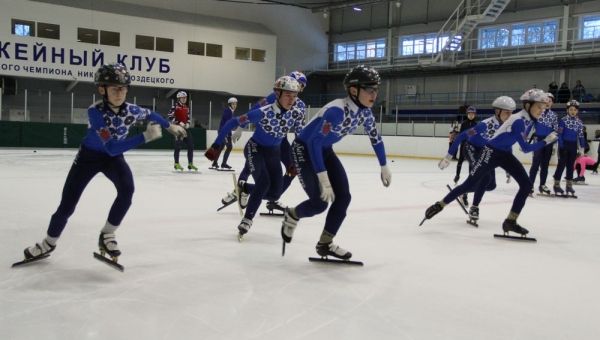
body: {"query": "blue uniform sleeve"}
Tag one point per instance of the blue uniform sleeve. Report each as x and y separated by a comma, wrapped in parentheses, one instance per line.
(243, 120)
(155, 117)
(458, 140)
(376, 141)
(518, 131)
(110, 145)
(580, 133)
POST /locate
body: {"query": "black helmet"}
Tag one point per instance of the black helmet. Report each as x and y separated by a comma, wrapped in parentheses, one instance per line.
(361, 75)
(112, 74)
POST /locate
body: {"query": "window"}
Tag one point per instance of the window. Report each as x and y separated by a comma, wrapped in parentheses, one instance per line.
(426, 44)
(259, 55)
(110, 38)
(242, 53)
(144, 42)
(213, 50)
(164, 44)
(23, 28)
(195, 48)
(589, 27)
(519, 34)
(359, 50)
(86, 35)
(49, 31)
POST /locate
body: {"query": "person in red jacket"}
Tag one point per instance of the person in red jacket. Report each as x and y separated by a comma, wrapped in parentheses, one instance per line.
(180, 115)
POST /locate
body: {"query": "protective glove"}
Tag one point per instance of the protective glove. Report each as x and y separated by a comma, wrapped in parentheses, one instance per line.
(153, 132)
(237, 134)
(507, 177)
(551, 138)
(181, 124)
(326, 189)
(386, 176)
(212, 152)
(291, 171)
(443, 164)
(186, 126)
(177, 130)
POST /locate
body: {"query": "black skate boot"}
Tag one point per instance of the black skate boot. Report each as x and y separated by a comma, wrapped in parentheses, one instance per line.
(464, 200)
(432, 211)
(243, 197)
(579, 180)
(243, 228)
(474, 213)
(558, 191)
(275, 205)
(511, 225)
(332, 249)
(39, 250)
(214, 166)
(569, 188)
(288, 226)
(456, 178)
(108, 244)
(225, 166)
(544, 189)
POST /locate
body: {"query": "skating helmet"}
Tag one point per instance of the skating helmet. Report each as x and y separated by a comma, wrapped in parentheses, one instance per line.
(112, 74)
(287, 83)
(535, 96)
(504, 103)
(572, 102)
(181, 94)
(300, 77)
(550, 95)
(471, 109)
(232, 100)
(361, 75)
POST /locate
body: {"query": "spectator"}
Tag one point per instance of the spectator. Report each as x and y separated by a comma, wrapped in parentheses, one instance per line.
(564, 93)
(582, 163)
(578, 91)
(587, 142)
(553, 89)
(597, 139)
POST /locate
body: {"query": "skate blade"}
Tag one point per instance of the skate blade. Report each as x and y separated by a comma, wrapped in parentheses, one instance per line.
(188, 172)
(516, 238)
(226, 205)
(109, 262)
(473, 223)
(283, 249)
(240, 238)
(459, 201)
(271, 213)
(24, 262)
(422, 221)
(335, 261)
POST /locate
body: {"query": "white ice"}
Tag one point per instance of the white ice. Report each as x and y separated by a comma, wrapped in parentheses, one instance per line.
(187, 277)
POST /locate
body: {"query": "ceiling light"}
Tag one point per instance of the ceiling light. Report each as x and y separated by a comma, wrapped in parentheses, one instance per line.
(325, 14)
(398, 3)
(358, 9)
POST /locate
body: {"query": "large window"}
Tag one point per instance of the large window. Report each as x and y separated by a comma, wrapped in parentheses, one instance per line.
(532, 33)
(589, 27)
(244, 53)
(195, 48)
(420, 44)
(23, 28)
(26, 28)
(214, 50)
(360, 50)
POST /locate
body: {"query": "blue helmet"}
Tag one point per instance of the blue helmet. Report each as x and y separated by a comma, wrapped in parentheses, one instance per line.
(471, 109)
(300, 77)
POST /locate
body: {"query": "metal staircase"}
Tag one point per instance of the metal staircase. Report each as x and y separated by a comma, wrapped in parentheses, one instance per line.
(460, 25)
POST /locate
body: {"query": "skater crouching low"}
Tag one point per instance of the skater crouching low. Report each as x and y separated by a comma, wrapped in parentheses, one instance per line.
(102, 151)
(498, 153)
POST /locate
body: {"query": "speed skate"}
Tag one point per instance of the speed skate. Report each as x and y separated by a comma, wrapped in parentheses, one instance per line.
(335, 261)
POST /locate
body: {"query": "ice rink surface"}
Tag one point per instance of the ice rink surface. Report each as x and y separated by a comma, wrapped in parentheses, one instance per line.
(187, 277)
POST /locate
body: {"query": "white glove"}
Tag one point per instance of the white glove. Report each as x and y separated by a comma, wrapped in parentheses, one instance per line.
(507, 177)
(181, 124)
(186, 126)
(237, 134)
(177, 131)
(554, 150)
(386, 176)
(443, 164)
(153, 132)
(326, 190)
(551, 138)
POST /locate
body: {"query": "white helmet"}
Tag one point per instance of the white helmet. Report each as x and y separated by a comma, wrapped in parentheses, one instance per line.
(504, 103)
(287, 83)
(535, 96)
(232, 100)
(181, 94)
(572, 102)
